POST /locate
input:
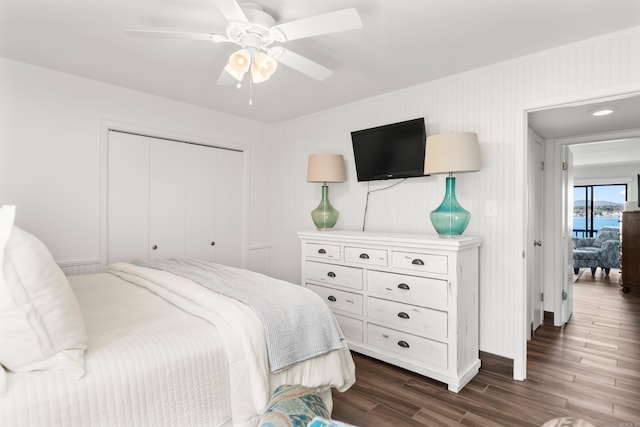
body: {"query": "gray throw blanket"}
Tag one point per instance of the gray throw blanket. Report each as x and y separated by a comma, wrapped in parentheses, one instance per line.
(298, 325)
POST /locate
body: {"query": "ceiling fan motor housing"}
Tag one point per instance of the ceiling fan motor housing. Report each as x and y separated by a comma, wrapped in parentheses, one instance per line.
(255, 32)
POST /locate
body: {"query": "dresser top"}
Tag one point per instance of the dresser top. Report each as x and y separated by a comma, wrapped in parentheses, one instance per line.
(373, 237)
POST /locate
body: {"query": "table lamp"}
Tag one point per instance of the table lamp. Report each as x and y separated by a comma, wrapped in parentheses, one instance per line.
(450, 153)
(325, 168)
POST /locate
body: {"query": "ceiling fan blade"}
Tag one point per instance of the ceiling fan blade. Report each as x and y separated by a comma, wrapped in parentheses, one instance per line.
(332, 22)
(300, 63)
(226, 79)
(231, 10)
(217, 38)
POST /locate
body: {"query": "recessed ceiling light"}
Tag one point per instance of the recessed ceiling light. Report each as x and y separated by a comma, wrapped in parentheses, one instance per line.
(602, 112)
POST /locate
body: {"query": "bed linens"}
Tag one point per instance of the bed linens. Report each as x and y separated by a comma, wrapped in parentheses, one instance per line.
(179, 355)
(242, 335)
(148, 363)
(298, 325)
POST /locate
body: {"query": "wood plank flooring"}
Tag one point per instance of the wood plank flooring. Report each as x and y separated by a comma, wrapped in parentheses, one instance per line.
(589, 369)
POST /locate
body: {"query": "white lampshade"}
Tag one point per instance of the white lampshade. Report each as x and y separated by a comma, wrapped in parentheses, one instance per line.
(239, 62)
(325, 168)
(452, 152)
(263, 67)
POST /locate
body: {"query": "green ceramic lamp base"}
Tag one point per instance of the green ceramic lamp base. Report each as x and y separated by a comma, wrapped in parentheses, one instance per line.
(325, 216)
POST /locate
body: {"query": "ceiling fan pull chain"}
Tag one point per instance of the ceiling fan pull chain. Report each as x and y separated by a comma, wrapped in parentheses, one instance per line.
(250, 91)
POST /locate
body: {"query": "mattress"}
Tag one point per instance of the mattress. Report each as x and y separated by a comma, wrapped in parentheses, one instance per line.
(150, 362)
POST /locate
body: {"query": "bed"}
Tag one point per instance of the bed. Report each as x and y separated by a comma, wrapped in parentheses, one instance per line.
(142, 347)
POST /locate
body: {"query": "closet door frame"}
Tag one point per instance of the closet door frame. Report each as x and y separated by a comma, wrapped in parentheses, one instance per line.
(108, 126)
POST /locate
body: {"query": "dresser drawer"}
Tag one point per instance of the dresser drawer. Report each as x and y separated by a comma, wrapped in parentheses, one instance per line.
(318, 250)
(352, 328)
(418, 320)
(338, 275)
(339, 300)
(366, 256)
(410, 289)
(420, 262)
(408, 346)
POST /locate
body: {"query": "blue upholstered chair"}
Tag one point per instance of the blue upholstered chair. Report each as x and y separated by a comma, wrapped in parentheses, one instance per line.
(601, 251)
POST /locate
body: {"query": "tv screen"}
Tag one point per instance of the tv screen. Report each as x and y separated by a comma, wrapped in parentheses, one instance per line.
(391, 151)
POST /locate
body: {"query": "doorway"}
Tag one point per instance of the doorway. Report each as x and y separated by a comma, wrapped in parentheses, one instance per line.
(563, 125)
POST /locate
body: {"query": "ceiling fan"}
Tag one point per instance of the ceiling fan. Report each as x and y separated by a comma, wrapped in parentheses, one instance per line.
(256, 32)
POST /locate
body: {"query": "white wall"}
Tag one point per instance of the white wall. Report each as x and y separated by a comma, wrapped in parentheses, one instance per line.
(619, 173)
(50, 135)
(490, 101)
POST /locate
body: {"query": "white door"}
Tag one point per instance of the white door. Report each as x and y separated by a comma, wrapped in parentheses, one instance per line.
(201, 202)
(128, 197)
(167, 199)
(537, 210)
(229, 212)
(567, 233)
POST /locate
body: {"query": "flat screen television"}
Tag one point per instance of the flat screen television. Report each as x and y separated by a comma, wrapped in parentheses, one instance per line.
(391, 151)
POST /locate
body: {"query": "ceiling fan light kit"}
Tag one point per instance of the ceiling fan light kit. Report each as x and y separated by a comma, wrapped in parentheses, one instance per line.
(238, 64)
(263, 67)
(254, 30)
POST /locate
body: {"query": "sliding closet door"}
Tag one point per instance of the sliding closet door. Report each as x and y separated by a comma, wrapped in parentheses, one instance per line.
(229, 213)
(127, 197)
(167, 182)
(201, 202)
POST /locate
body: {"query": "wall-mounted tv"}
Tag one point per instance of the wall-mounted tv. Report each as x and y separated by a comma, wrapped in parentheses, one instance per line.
(391, 151)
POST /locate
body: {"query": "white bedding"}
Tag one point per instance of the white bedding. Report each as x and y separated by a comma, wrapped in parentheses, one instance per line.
(151, 363)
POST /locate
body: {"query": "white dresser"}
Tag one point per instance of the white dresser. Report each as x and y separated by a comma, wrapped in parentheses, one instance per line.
(410, 300)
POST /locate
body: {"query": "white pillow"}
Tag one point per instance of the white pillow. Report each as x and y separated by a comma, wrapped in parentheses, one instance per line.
(7, 214)
(41, 325)
(3, 382)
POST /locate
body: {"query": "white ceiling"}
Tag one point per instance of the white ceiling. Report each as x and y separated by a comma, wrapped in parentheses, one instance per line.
(577, 120)
(402, 43)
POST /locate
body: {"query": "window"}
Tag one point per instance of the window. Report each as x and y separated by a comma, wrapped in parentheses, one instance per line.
(597, 206)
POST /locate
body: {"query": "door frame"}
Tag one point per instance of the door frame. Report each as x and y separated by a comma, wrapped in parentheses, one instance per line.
(521, 293)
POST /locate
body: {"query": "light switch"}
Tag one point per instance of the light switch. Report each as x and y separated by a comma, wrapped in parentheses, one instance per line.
(491, 208)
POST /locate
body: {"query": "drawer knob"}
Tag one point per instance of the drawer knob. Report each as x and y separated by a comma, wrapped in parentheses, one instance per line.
(331, 298)
(403, 344)
(403, 315)
(403, 286)
(154, 247)
(322, 251)
(364, 256)
(417, 261)
(331, 274)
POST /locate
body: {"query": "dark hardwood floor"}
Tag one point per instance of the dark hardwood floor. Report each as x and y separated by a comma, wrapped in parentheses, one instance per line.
(589, 369)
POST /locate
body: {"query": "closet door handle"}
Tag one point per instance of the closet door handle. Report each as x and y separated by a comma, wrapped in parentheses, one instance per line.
(417, 261)
(154, 247)
(331, 298)
(403, 315)
(403, 286)
(403, 344)
(364, 256)
(322, 251)
(331, 274)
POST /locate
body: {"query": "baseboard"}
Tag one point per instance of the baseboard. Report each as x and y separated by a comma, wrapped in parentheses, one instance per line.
(498, 365)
